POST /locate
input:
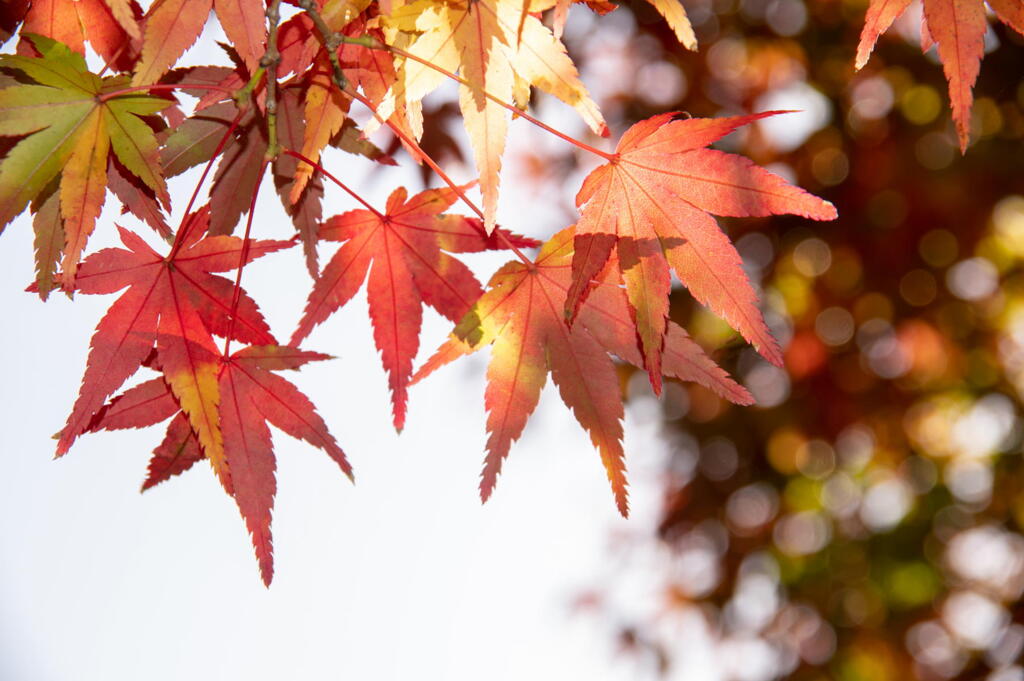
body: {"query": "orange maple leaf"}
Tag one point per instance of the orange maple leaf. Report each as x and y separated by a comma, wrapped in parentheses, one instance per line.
(958, 27)
(521, 316)
(653, 202)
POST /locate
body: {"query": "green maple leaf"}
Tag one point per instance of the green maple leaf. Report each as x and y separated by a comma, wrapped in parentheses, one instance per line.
(70, 120)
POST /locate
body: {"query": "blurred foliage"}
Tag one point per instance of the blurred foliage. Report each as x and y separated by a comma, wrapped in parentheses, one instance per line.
(863, 523)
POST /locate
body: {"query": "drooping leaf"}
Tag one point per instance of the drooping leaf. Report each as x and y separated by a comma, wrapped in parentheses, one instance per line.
(326, 109)
(958, 27)
(239, 170)
(478, 39)
(178, 451)
(148, 404)
(251, 396)
(406, 246)
(307, 211)
(70, 122)
(176, 304)
(521, 316)
(881, 14)
(675, 17)
(652, 204)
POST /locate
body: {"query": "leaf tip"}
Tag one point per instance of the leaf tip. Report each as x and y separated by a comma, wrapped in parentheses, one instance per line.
(830, 211)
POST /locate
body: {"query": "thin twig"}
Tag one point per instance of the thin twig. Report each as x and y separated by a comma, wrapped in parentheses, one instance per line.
(114, 57)
(372, 43)
(319, 168)
(246, 245)
(331, 40)
(440, 173)
(269, 61)
(179, 236)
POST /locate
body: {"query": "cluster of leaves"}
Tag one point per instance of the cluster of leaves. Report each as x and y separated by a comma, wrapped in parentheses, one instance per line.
(598, 290)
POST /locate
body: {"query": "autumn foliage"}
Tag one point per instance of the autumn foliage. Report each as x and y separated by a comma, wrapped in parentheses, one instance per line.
(597, 292)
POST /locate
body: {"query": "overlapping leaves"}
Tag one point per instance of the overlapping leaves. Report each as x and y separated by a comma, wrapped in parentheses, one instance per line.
(408, 246)
(167, 319)
(173, 305)
(521, 317)
(482, 41)
(72, 123)
(251, 396)
(652, 205)
(596, 294)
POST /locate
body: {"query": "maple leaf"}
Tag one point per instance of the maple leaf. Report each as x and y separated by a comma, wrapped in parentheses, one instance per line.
(407, 247)
(71, 121)
(251, 395)
(521, 316)
(652, 203)
(176, 304)
(307, 210)
(148, 404)
(478, 39)
(958, 27)
(109, 26)
(48, 243)
(326, 109)
(244, 22)
(172, 26)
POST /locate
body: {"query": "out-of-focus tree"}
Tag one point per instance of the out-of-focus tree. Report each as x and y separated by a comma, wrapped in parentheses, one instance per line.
(863, 522)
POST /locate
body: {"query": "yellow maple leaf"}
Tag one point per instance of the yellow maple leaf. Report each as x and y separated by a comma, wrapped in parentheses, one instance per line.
(479, 40)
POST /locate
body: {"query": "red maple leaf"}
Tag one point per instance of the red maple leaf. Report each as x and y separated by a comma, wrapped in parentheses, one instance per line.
(174, 303)
(251, 395)
(407, 245)
(521, 314)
